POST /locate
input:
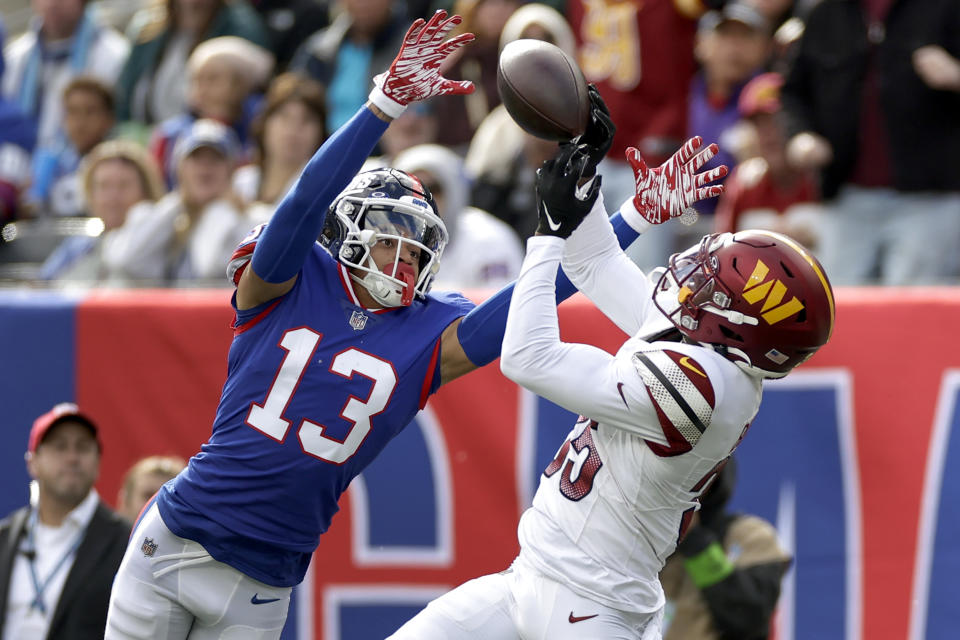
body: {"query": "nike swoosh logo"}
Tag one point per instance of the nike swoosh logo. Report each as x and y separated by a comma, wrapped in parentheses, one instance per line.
(620, 389)
(550, 223)
(572, 619)
(256, 600)
(685, 361)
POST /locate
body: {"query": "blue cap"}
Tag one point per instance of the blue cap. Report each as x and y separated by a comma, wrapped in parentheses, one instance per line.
(207, 133)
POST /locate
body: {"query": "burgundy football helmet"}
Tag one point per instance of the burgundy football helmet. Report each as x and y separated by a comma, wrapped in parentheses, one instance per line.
(757, 297)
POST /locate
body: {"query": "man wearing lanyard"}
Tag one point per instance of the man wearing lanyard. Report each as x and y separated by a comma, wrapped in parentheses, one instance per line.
(58, 556)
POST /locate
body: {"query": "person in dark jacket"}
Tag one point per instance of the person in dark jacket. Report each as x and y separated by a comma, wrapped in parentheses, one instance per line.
(723, 581)
(343, 57)
(872, 99)
(59, 554)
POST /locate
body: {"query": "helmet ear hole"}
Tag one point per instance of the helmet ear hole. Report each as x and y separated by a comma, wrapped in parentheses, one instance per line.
(729, 333)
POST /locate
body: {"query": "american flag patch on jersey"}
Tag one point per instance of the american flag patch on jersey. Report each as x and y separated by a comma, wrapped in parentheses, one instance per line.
(682, 396)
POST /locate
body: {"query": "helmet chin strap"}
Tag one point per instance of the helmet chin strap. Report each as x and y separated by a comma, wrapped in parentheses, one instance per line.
(384, 291)
(734, 317)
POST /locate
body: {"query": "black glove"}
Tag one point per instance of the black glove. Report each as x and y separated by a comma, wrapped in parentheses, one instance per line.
(598, 136)
(561, 204)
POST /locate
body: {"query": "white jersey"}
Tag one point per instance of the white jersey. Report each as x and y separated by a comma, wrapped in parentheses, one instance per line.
(659, 418)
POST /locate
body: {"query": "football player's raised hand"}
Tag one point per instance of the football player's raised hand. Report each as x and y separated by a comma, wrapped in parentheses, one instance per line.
(562, 203)
(598, 136)
(415, 72)
(665, 192)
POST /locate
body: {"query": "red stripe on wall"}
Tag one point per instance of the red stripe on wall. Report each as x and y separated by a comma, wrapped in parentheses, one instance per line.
(150, 366)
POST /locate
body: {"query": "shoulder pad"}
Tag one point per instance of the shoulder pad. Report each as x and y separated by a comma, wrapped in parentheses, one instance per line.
(682, 395)
(243, 254)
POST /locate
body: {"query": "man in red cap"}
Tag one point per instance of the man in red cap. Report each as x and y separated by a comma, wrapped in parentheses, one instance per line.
(59, 554)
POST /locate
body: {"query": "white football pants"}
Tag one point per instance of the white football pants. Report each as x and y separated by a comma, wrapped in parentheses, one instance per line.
(522, 604)
(176, 591)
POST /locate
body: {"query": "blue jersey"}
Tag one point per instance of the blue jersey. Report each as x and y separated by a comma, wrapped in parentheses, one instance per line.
(316, 387)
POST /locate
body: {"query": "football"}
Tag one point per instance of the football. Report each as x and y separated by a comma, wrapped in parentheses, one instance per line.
(543, 90)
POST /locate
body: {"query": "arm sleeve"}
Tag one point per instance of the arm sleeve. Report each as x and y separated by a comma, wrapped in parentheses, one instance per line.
(294, 227)
(534, 357)
(597, 266)
(481, 331)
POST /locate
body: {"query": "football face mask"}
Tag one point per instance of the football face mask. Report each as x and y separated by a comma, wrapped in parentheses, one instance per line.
(408, 228)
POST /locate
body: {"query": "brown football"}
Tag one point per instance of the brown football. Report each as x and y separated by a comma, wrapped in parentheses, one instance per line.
(543, 90)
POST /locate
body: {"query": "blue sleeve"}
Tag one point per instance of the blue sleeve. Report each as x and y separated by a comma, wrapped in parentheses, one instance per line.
(298, 220)
(481, 331)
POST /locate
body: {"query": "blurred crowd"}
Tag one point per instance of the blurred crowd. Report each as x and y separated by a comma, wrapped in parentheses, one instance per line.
(141, 140)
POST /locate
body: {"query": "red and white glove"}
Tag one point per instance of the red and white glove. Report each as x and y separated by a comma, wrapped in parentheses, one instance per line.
(667, 191)
(415, 72)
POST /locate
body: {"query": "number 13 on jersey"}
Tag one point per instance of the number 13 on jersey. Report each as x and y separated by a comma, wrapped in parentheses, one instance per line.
(300, 345)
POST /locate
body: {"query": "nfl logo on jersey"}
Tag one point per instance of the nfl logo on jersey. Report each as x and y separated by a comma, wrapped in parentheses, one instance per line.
(149, 547)
(358, 320)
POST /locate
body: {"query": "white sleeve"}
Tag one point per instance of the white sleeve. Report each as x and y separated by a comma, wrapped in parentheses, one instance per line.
(534, 357)
(138, 248)
(214, 238)
(597, 266)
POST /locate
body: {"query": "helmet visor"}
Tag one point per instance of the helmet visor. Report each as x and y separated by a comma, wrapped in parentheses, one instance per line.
(406, 225)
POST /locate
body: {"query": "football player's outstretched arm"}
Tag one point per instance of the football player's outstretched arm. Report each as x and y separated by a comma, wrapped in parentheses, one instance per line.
(593, 261)
(533, 355)
(475, 340)
(289, 237)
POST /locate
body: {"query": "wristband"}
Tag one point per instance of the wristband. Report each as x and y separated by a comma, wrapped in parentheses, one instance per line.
(709, 567)
(385, 103)
(632, 217)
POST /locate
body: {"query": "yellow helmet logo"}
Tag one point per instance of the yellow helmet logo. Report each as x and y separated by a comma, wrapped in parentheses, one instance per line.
(772, 293)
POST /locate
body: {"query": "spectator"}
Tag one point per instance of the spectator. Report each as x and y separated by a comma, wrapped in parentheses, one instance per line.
(59, 554)
(143, 480)
(732, 45)
(225, 75)
(115, 176)
(290, 128)
(639, 53)
(88, 108)
(502, 159)
(189, 234)
(482, 251)
(344, 57)
(290, 22)
(478, 63)
(151, 87)
(763, 191)
(65, 40)
(18, 136)
(872, 99)
(723, 581)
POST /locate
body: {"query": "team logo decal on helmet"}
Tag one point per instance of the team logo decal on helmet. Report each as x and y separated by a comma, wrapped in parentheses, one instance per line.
(386, 205)
(756, 290)
(757, 297)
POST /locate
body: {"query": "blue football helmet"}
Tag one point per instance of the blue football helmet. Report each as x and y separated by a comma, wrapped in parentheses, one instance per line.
(386, 205)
